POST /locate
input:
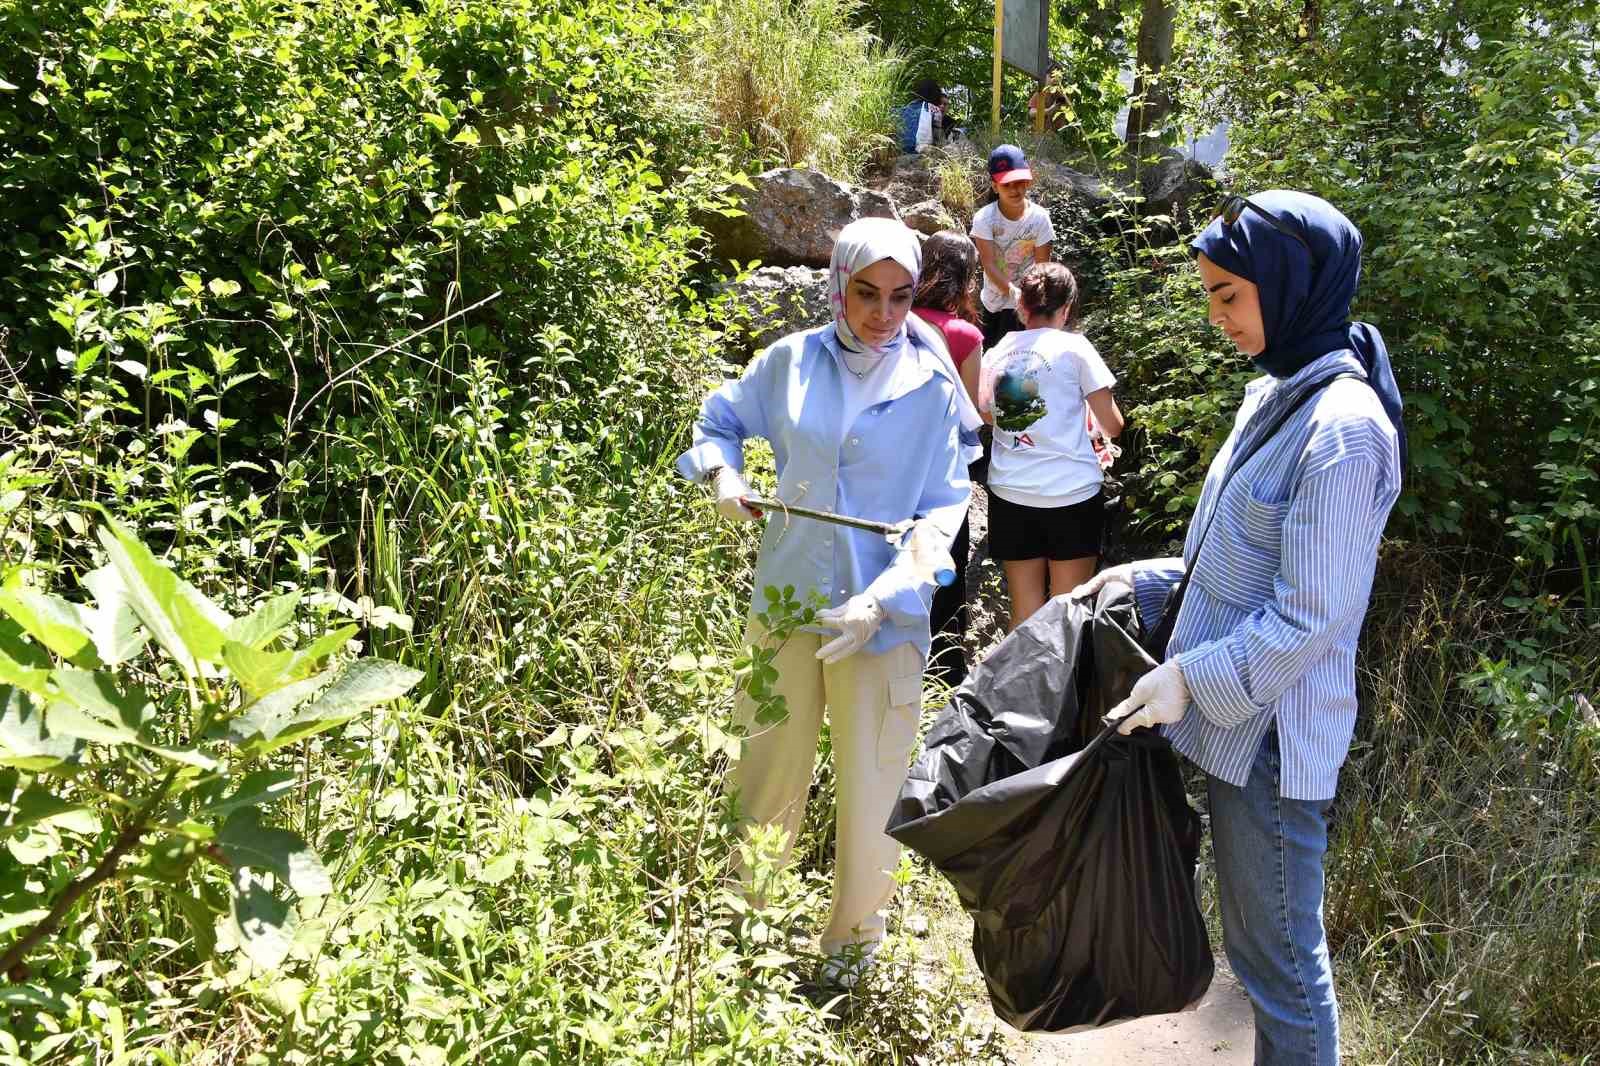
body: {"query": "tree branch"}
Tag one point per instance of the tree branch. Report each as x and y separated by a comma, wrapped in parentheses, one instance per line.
(11, 964)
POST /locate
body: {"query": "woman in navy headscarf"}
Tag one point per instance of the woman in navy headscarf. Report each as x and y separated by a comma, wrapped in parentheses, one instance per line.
(1258, 687)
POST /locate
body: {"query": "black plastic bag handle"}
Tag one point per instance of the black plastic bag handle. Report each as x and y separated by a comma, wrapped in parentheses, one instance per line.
(1157, 645)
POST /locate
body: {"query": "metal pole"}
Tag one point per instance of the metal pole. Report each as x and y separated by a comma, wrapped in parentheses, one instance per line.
(999, 49)
(887, 529)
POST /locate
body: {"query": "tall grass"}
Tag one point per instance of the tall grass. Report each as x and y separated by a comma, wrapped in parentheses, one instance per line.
(1464, 868)
(797, 83)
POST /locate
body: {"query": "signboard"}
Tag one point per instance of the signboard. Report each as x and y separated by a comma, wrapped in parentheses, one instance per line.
(1025, 43)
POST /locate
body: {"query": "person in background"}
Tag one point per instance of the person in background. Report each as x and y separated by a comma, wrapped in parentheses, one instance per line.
(1053, 98)
(947, 299)
(946, 130)
(1046, 505)
(921, 120)
(864, 419)
(1012, 233)
(1258, 688)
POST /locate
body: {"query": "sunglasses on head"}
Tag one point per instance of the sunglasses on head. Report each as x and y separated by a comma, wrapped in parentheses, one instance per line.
(1234, 206)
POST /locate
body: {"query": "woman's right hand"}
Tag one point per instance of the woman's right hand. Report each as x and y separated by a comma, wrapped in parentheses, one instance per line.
(731, 489)
(1121, 574)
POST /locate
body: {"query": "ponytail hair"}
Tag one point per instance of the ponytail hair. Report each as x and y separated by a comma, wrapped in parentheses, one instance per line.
(1048, 287)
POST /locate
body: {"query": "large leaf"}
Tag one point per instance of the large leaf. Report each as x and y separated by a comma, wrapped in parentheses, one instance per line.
(267, 716)
(248, 843)
(91, 708)
(262, 922)
(23, 741)
(202, 924)
(265, 622)
(24, 651)
(98, 694)
(256, 789)
(62, 627)
(169, 858)
(360, 686)
(37, 805)
(181, 619)
(258, 671)
(28, 678)
(306, 659)
(113, 625)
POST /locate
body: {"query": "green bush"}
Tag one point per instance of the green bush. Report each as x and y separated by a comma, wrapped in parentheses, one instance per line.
(234, 233)
(107, 753)
(1461, 138)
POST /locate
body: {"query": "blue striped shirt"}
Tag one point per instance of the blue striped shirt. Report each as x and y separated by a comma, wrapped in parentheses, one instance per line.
(1267, 631)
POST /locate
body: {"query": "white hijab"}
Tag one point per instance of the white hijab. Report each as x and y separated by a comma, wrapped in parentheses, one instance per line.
(871, 240)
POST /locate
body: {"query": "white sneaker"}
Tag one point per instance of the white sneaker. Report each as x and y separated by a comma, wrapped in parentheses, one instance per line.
(845, 968)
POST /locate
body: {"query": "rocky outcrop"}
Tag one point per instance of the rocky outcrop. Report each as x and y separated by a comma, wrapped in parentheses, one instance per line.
(791, 218)
(1175, 185)
(929, 217)
(775, 301)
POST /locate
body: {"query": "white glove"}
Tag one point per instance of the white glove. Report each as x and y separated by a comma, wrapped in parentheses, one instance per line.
(1121, 574)
(731, 488)
(1158, 698)
(856, 621)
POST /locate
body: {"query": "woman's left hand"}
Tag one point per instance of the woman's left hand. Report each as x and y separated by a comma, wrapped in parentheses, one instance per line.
(1158, 698)
(857, 620)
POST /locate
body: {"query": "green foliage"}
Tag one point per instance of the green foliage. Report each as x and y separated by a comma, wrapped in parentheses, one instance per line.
(952, 41)
(795, 84)
(1462, 894)
(106, 752)
(235, 235)
(1461, 138)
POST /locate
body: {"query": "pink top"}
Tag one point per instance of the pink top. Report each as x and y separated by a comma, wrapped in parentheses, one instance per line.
(962, 336)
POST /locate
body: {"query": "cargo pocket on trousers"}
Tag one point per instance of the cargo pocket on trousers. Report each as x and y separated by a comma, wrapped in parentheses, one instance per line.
(897, 728)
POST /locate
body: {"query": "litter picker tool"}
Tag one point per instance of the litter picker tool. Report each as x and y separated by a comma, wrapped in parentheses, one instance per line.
(929, 557)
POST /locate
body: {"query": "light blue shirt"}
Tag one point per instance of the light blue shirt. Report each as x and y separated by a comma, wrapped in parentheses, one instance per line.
(1267, 631)
(902, 457)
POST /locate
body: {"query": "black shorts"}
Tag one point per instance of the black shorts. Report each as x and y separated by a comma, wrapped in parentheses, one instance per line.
(996, 324)
(1018, 532)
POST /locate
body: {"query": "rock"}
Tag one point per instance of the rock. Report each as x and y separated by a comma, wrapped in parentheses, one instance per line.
(910, 179)
(1080, 209)
(928, 217)
(916, 179)
(773, 302)
(1056, 181)
(791, 218)
(1175, 184)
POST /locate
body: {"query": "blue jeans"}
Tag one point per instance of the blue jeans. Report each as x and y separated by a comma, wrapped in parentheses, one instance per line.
(1269, 880)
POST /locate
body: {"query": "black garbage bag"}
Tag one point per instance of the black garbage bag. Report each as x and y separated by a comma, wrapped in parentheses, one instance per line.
(1072, 848)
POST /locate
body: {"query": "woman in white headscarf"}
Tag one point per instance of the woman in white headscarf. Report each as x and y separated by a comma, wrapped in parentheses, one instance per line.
(866, 417)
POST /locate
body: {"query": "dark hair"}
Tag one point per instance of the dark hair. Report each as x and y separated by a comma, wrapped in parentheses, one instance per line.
(1048, 287)
(927, 90)
(949, 271)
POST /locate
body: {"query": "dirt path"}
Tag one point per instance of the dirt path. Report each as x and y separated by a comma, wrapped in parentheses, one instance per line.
(1217, 1032)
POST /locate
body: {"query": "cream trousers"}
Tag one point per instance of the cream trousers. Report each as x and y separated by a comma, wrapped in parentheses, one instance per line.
(873, 703)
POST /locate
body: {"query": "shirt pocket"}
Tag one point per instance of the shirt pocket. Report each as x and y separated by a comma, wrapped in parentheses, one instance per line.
(1241, 556)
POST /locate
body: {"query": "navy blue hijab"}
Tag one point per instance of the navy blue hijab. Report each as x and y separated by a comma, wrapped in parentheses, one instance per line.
(1305, 296)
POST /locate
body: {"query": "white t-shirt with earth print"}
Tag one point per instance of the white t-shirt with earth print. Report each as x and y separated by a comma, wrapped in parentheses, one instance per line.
(1014, 244)
(1037, 381)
